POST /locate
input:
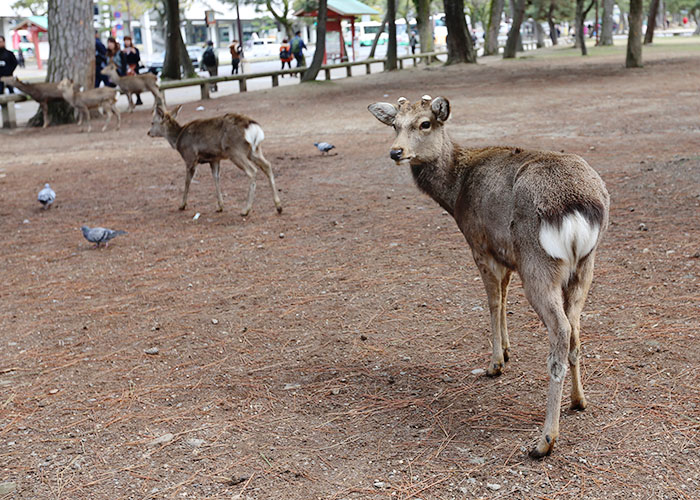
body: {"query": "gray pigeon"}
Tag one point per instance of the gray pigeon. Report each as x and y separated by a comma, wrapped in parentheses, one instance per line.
(324, 147)
(99, 235)
(46, 196)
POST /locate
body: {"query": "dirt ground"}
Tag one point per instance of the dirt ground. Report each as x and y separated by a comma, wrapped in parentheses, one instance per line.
(327, 353)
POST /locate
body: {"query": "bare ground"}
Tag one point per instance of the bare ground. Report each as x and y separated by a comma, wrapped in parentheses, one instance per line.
(335, 362)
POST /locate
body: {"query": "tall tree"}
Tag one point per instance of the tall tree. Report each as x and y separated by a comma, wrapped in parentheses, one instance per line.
(553, 34)
(391, 50)
(514, 33)
(494, 27)
(460, 48)
(72, 41)
(651, 22)
(581, 14)
(425, 27)
(634, 38)
(607, 31)
(177, 61)
(316, 63)
(377, 36)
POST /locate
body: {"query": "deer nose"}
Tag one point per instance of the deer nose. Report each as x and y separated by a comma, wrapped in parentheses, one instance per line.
(395, 154)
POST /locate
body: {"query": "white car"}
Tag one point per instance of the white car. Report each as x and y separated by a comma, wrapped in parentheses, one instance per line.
(261, 47)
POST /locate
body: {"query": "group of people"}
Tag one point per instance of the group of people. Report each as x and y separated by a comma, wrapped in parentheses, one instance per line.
(127, 60)
(293, 50)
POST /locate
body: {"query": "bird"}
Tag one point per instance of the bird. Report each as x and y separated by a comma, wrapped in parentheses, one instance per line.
(324, 147)
(99, 235)
(46, 196)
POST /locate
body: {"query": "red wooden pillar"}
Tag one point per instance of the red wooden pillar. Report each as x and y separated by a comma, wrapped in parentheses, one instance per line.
(34, 32)
(352, 24)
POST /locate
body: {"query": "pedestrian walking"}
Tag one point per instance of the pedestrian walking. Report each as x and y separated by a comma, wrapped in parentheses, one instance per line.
(114, 56)
(8, 63)
(100, 60)
(298, 47)
(413, 42)
(235, 49)
(286, 55)
(132, 61)
(20, 58)
(211, 62)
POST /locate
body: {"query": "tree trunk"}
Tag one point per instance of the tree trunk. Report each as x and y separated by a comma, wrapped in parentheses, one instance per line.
(552, 27)
(460, 48)
(425, 27)
(177, 61)
(316, 63)
(72, 41)
(375, 42)
(494, 27)
(607, 31)
(697, 23)
(281, 18)
(634, 39)
(391, 61)
(514, 33)
(651, 22)
(539, 32)
(580, 21)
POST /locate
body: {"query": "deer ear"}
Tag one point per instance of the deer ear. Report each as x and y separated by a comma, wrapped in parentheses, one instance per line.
(440, 108)
(176, 111)
(159, 111)
(384, 112)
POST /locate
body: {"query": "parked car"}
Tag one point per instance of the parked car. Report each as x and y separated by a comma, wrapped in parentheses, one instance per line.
(156, 64)
(261, 47)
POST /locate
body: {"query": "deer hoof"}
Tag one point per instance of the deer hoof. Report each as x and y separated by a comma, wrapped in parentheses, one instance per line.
(220, 209)
(182, 207)
(506, 355)
(544, 447)
(279, 209)
(245, 212)
(579, 405)
(494, 369)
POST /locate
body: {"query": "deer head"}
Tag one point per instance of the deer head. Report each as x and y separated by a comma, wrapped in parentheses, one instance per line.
(420, 132)
(162, 120)
(110, 69)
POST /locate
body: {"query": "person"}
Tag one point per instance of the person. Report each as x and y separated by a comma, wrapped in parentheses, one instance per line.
(100, 60)
(132, 60)
(20, 58)
(235, 49)
(211, 62)
(298, 47)
(286, 55)
(114, 56)
(8, 63)
(413, 42)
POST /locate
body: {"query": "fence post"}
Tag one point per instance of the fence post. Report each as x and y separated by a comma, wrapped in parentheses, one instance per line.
(328, 74)
(204, 89)
(8, 115)
(275, 80)
(368, 70)
(348, 69)
(242, 87)
(400, 63)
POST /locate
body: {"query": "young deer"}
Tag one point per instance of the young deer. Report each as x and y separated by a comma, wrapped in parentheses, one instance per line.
(41, 92)
(539, 213)
(103, 99)
(134, 84)
(211, 140)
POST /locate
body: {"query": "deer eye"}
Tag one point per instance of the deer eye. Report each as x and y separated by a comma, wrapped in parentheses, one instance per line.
(425, 125)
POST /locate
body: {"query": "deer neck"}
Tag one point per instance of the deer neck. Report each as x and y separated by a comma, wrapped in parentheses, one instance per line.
(172, 131)
(440, 178)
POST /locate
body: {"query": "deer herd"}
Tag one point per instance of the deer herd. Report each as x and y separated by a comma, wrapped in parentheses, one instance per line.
(541, 214)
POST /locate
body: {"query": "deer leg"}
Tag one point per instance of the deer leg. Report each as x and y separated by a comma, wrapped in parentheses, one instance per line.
(575, 293)
(119, 116)
(86, 113)
(505, 341)
(131, 102)
(191, 167)
(215, 173)
(45, 110)
(109, 118)
(265, 166)
(491, 275)
(547, 299)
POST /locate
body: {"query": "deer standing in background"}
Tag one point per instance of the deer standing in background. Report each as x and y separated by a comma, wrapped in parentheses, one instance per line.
(103, 99)
(539, 213)
(210, 140)
(134, 84)
(41, 92)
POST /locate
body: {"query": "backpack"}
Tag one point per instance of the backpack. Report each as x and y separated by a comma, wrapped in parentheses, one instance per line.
(296, 45)
(209, 58)
(284, 52)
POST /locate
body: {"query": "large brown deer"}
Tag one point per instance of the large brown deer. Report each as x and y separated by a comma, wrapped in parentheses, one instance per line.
(539, 213)
(210, 140)
(42, 93)
(104, 99)
(134, 84)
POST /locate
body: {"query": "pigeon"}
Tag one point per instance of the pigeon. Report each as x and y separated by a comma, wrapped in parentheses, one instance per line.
(99, 235)
(324, 147)
(46, 196)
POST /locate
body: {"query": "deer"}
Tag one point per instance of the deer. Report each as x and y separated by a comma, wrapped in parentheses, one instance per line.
(134, 84)
(41, 92)
(210, 140)
(104, 99)
(541, 214)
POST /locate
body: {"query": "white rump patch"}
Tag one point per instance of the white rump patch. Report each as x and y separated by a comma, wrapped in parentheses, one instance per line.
(573, 240)
(254, 135)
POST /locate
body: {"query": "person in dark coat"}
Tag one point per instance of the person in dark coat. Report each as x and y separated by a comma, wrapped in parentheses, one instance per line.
(132, 60)
(210, 62)
(100, 60)
(8, 63)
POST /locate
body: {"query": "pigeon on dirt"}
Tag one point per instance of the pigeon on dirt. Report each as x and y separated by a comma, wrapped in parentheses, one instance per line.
(46, 196)
(324, 147)
(99, 235)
